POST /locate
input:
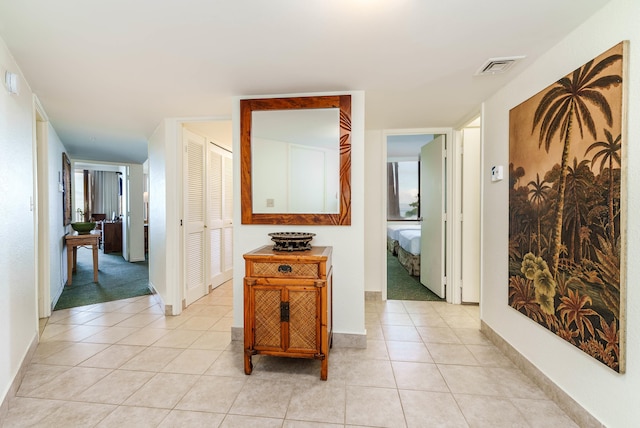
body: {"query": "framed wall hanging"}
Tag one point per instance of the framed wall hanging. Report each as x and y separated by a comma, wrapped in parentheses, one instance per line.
(566, 211)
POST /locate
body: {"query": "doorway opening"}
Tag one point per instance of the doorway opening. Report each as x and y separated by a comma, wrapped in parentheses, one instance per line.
(111, 195)
(207, 251)
(416, 171)
(449, 208)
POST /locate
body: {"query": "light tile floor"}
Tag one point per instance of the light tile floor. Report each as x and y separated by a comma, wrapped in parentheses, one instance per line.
(124, 363)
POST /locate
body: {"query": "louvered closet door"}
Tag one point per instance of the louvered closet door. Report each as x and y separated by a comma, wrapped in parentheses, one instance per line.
(194, 217)
(227, 217)
(219, 214)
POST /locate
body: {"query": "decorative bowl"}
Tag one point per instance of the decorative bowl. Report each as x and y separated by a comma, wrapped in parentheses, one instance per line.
(83, 227)
(292, 241)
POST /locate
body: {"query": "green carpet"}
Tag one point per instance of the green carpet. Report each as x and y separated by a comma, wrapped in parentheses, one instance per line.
(402, 286)
(117, 279)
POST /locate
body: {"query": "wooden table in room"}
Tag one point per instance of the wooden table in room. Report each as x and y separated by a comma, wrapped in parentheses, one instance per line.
(75, 240)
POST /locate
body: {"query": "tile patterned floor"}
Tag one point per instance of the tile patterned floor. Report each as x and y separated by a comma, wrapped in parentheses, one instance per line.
(123, 363)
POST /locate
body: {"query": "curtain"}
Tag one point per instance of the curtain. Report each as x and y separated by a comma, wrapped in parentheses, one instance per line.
(393, 203)
(105, 194)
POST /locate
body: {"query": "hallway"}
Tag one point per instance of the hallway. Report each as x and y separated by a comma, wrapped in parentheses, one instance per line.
(124, 363)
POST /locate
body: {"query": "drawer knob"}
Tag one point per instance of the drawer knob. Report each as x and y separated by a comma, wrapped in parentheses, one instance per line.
(284, 269)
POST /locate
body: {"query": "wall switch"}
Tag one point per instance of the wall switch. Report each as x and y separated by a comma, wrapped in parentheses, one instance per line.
(496, 173)
(60, 188)
(270, 203)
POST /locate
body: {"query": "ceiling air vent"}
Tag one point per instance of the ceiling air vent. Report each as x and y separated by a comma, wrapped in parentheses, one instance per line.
(497, 65)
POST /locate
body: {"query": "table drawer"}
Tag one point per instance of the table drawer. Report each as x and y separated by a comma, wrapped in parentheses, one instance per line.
(285, 270)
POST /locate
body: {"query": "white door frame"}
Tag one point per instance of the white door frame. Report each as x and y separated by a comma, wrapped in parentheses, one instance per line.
(41, 209)
(456, 237)
(449, 200)
(468, 223)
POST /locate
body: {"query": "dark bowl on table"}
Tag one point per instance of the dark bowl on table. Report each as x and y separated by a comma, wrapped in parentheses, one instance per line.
(83, 227)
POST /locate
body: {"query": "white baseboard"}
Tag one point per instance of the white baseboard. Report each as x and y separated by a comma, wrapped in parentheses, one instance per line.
(17, 380)
(168, 309)
(574, 410)
(372, 296)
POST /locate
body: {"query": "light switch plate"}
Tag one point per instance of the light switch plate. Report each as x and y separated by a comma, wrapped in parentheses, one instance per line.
(496, 173)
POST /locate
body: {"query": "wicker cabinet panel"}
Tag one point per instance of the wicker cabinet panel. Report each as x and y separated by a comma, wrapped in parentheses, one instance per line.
(267, 318)
(287, 305)
(303, 307)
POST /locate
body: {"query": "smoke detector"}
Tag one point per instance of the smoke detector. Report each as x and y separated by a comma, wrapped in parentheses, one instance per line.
(497, 65)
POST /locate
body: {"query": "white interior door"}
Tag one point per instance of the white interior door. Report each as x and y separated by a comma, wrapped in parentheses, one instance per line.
(194, 217)
(219, 227)
(470, 227)
(433, 203)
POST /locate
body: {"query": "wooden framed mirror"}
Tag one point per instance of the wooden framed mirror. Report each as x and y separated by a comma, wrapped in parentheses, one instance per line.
(295, 160)
(66, 190)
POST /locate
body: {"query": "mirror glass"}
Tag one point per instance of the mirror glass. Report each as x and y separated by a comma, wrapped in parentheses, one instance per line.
(295, 159)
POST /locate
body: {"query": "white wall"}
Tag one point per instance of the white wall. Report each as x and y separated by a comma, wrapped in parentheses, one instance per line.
(347, 241)
(158, 196)
(610, 397)
(375, 245)
(18, 305)
(271, 186)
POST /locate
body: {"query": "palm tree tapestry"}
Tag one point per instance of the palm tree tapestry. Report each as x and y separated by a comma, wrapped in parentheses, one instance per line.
(566, 243)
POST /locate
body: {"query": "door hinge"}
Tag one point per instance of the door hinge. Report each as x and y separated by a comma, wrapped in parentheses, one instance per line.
(284, 311)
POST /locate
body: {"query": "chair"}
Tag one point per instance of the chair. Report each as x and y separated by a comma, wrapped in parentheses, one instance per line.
(99, 218)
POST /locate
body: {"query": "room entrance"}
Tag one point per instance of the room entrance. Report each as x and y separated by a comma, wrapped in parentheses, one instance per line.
(416, 223)
(433, 217)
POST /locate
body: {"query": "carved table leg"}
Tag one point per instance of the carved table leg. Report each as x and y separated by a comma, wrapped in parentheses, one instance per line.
(324, 368)
(70, 266)
(248, 366)
(95, 262)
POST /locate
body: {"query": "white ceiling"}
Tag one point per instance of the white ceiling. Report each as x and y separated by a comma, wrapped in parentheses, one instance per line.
(108, 72)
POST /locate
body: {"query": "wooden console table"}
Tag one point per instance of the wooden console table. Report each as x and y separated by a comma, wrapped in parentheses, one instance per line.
(75, 240)
(287, 305)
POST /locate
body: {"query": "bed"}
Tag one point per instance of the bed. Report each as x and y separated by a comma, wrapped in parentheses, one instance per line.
(393, 231)
(409, 243)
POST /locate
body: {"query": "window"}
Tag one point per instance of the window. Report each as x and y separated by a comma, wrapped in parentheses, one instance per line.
(78, 190)
(403, 190)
